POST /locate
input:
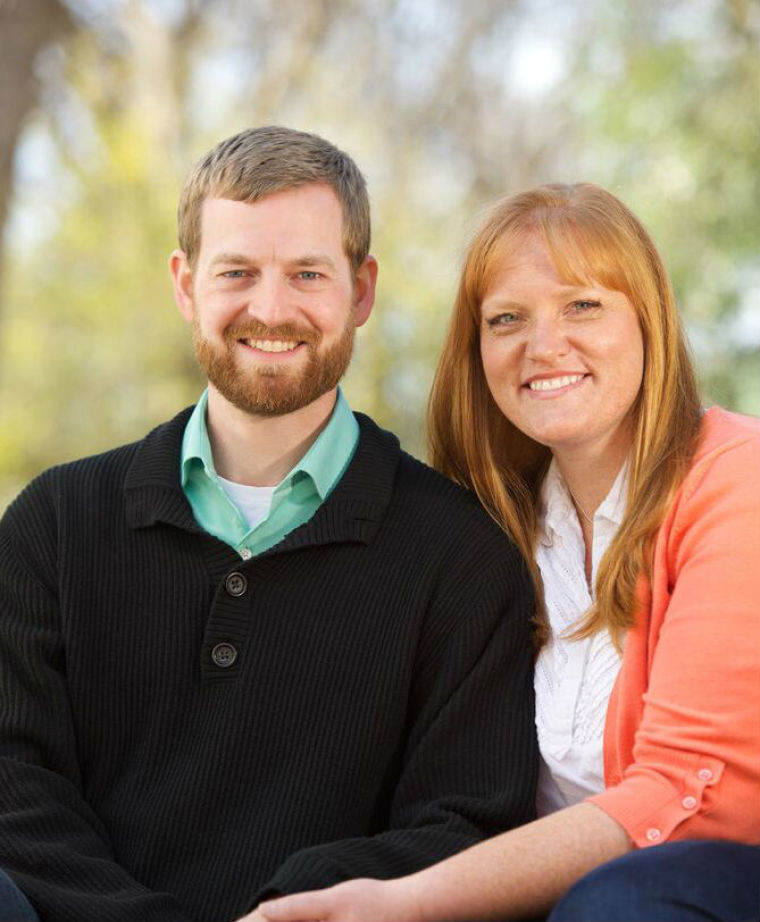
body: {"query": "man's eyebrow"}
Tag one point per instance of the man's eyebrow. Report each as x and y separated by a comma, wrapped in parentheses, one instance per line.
(230, 259)
(313, 259)
(306, 261)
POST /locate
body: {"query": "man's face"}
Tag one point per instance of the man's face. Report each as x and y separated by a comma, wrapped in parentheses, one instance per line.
(273, 299)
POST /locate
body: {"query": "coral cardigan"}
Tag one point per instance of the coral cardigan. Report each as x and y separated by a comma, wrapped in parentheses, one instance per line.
(682, 734)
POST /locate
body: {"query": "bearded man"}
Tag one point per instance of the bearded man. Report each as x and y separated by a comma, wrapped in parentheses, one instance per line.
(261, 650)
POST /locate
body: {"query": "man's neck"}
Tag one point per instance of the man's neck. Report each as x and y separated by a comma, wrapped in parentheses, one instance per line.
(260, 450)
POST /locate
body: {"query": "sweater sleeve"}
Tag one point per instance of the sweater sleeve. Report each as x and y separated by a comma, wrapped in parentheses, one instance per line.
(696, 758)
(470, 762)
(52, 844)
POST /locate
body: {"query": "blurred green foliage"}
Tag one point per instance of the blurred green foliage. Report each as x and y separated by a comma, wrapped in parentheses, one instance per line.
(660, 109)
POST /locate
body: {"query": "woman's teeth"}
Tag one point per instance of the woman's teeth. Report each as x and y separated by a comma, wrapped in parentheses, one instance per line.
(553, 384)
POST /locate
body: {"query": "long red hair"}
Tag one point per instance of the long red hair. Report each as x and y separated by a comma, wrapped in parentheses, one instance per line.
(591, 236)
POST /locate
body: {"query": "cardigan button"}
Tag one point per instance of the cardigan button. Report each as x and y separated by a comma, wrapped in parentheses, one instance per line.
(704, 774)
(689, 803)
(236, 584)
(653, 835)
(224, 655)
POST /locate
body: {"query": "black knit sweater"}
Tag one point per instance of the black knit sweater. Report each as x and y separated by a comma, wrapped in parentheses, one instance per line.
(182, 732)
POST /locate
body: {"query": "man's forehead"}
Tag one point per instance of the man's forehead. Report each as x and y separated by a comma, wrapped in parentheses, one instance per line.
(303, 224)
(306, 212)
(311, 194)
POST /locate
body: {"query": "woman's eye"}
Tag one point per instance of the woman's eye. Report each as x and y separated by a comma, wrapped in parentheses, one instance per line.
(582, 306)
(503, 320)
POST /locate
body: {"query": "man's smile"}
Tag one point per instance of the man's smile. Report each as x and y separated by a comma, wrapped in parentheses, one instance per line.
(271, 345)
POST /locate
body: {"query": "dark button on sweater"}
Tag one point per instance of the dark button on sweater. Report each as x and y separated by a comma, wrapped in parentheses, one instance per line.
(236, 584)
(224, 655)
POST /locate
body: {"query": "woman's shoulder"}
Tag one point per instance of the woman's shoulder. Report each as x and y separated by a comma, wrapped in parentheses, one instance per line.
(723, 430)
(725, 466)
(728, 442)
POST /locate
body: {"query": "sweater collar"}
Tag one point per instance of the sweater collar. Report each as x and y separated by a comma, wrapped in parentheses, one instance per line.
(352, 512)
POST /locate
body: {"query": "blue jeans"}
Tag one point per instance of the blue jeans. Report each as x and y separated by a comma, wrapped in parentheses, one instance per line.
(693, 881)
(14, 906)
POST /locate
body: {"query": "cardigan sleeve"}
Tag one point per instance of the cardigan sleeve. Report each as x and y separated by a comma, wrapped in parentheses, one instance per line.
(52, 844)
(469, 767)
(695, 771)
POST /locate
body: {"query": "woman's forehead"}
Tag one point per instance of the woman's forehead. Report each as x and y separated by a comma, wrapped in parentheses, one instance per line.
(564, 259)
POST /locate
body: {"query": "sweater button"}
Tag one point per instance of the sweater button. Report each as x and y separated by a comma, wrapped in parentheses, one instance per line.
(236, 584)
(224, 655)
(653, 835)
(689, 803)
(704, 774)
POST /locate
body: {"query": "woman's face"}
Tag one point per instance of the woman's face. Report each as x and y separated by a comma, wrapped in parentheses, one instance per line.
(563, 363)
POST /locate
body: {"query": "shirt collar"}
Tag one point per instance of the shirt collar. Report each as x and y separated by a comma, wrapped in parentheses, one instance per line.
(323, 463)
(328, 457)
(196, 446)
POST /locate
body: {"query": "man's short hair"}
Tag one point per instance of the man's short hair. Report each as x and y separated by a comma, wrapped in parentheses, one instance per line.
(260, 161)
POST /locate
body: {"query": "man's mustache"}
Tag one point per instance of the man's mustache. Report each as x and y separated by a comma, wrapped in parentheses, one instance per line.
(254, 329)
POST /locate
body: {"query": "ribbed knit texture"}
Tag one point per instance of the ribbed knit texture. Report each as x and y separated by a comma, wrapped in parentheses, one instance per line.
(378, 716)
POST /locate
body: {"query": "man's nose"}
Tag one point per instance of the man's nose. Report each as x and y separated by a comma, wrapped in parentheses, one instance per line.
(271, 302)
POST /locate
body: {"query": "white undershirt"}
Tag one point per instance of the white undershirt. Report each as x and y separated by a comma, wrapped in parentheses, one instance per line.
(251, 502)
(573, 678)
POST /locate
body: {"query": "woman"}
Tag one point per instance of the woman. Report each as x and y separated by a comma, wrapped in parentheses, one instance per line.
(566, 399)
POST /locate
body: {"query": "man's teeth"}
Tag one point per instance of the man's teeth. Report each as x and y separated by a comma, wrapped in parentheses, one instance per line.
(552, 384)
(271, 345)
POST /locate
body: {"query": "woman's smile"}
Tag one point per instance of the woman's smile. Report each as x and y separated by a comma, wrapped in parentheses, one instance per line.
(564, 363)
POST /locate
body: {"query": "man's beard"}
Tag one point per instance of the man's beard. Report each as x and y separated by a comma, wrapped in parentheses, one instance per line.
(275, 389)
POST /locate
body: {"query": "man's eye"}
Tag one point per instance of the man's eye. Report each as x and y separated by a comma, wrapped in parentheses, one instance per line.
(233, 274)
(308, 275)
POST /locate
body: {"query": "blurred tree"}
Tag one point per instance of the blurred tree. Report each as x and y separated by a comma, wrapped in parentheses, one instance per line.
(26, 28)
(672, 122)
(444, 105)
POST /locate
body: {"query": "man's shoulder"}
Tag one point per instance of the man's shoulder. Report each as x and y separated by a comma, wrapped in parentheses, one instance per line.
(438, 533)
(416, 478)
(437, 504)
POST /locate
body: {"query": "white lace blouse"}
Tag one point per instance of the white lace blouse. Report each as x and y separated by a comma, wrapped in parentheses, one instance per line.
(573, 678)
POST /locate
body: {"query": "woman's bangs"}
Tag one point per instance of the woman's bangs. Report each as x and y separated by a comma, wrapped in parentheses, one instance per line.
(583, 255)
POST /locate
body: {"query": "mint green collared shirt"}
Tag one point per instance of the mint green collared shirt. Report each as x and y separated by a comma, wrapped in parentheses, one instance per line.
(296, 497)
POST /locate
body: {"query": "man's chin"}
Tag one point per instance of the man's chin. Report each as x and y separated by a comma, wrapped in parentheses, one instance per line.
(276, 388)
(274, 397)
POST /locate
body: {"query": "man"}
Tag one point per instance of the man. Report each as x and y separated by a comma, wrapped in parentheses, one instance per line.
(262, 650)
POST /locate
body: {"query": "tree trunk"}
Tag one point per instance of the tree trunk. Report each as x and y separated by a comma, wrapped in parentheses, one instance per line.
(26, 27)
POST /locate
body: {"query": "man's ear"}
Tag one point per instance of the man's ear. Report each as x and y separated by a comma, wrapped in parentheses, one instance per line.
(364, 290)
(182, 281)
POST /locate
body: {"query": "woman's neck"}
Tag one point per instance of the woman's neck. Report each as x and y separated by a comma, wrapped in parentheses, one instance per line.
(590, 474)
(589, 479)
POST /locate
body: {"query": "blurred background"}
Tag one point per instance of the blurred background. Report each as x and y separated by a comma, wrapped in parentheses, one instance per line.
(444, 104)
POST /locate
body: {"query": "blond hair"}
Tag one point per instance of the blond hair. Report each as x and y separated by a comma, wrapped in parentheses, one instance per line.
(590, 236)
(261, 161)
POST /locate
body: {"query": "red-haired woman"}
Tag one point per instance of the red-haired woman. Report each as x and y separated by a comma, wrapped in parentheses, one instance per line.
(566, 399)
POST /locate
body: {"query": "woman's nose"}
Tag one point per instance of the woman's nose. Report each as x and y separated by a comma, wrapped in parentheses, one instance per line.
(546, 340)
